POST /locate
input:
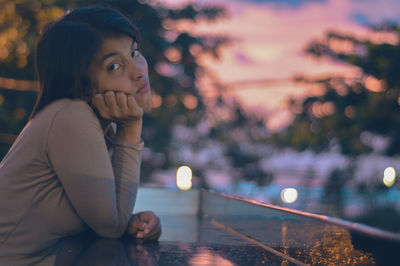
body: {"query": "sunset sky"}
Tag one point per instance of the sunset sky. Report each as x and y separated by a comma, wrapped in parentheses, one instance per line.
(270, 36)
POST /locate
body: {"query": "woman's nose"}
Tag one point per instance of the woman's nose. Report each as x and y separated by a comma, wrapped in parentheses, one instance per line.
(136, 70)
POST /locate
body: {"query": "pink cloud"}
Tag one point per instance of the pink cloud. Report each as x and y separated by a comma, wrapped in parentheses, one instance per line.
(271, 42)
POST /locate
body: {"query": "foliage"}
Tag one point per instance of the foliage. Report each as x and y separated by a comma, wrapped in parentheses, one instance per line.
(242, 138)
(349, 109)
(172, 53)
(172, 62)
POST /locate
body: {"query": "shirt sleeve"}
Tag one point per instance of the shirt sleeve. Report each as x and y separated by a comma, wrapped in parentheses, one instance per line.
(102, 191)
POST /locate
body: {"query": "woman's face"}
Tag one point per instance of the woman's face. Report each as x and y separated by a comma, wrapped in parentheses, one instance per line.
(119, 66)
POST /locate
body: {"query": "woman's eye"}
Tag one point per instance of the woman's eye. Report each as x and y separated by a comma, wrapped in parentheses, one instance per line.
(113, 67)
(135, 53)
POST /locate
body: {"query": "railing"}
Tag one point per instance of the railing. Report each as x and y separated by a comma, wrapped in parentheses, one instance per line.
(294, 236)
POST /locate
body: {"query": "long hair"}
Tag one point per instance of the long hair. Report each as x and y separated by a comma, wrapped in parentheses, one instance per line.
(66, 48)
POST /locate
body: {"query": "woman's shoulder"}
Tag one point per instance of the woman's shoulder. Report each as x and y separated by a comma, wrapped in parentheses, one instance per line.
(63, 116)
(67, 114)
(67, 104)
(72, 117)
(67, 108)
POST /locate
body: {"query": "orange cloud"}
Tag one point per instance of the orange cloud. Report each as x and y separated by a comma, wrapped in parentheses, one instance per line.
(269, 42)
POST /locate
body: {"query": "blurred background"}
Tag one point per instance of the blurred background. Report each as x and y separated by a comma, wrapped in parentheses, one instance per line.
(289, 102)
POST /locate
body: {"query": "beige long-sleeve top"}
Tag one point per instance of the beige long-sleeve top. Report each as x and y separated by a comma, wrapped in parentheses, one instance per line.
(58, 178)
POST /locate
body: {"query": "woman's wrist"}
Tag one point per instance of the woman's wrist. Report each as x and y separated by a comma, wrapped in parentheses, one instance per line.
(130, 131)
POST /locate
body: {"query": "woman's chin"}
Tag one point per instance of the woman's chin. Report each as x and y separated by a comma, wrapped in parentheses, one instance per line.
(147, 105)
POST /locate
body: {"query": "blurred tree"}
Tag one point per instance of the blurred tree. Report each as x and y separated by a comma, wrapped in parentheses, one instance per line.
(353, 115)
(358, 114)
(242, 134)
(172, 54)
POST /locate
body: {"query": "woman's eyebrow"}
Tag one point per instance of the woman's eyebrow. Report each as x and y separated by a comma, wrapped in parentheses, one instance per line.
(108, 55)
(104, 57)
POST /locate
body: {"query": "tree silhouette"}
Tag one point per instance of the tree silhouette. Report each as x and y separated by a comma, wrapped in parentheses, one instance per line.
(171, 54)
(350, 112)
(173, 58)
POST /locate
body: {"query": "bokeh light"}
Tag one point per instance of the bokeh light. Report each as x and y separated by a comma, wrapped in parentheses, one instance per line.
(289, 195)
(389, 176)
(190, 101)
(173, 54)
(184, 178)
(156, 100)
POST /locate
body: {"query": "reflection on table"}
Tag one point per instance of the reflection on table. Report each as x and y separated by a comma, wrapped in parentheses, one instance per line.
(203, 228)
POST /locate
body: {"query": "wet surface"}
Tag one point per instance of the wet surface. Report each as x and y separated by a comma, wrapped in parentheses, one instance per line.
(228, 232)
(208, 245)
(187, 240)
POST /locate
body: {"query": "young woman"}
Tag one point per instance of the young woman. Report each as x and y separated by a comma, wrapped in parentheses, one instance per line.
(70, 169)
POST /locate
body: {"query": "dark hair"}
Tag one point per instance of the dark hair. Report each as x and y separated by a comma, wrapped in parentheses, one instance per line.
(66, 48)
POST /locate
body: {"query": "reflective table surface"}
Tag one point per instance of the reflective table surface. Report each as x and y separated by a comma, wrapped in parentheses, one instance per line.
(203, 228)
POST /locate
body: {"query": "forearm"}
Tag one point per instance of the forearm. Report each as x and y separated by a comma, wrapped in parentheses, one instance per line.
(126, 158)
(126, 161)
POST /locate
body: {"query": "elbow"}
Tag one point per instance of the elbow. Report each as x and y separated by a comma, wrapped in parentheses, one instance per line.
(113, 229)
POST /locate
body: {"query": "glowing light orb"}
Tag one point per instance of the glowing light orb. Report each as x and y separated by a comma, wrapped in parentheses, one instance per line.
(289, 195)
(389, 176)
(184, 178)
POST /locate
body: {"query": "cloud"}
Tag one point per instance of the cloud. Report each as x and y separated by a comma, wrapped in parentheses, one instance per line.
(377, 11)
(243, 59)
(270, 41)
(361, 19)
(283, 3)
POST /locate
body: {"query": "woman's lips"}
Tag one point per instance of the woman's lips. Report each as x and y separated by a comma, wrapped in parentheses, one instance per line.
(144, 89)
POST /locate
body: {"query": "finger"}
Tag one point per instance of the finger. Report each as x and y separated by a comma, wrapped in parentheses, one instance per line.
(133, 107)
(151, 233)
(131, 102)
(154, 234)
(136, 227)
(122, 101)
(135, 224)
(99, 102)
(110, 100)
(153, 223)
(150, 229)
(146, 216)
(141, 225)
